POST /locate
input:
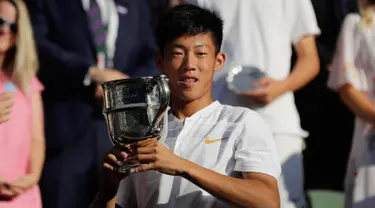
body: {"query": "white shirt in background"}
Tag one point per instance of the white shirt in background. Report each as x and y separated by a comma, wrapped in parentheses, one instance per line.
(260, 33)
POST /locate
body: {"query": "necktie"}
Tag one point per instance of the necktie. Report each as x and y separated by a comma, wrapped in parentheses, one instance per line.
(99, 31)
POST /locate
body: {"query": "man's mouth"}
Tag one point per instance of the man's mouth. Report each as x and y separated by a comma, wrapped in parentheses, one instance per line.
(188, 81)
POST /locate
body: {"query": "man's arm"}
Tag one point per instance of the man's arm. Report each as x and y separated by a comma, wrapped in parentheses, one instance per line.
(255, 156)
(307, 65)
(57, 65)
(255, 190)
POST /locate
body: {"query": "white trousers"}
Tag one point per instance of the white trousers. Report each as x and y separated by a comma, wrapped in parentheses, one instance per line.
(291, 183)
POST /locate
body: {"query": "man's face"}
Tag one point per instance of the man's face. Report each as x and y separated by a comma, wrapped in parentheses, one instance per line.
(189, 62)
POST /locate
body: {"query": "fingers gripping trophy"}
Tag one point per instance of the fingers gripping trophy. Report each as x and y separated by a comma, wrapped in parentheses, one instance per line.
(134, 110)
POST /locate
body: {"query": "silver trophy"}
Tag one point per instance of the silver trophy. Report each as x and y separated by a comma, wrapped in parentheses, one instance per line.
(134, 110)
(242, 78)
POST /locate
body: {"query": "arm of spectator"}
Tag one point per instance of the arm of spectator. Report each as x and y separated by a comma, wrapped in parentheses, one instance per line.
(37, 152)
(347, 79)
(303, 32)
(358, 103)
(37, 145)
(307, 64)
(57, 65)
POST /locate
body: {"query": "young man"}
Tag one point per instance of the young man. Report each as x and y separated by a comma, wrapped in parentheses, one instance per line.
(214, 155)
(260, 34)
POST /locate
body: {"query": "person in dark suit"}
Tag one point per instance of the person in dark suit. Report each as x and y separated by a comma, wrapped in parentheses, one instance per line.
(82, 43)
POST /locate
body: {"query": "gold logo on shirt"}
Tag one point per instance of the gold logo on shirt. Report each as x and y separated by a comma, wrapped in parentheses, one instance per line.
(210, 141)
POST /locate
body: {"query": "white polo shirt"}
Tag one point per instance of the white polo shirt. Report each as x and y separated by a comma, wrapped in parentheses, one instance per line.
(229, 140)
(260, 33)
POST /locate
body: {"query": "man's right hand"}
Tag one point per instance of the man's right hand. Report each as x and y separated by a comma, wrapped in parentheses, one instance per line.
(6, 104)
(104, 75)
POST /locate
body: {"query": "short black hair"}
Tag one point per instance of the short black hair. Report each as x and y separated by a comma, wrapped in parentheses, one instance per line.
(188, 20)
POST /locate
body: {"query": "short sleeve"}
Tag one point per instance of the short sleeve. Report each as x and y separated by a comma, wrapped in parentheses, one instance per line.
(124, 193)
(255, 148)
(36, 85)
(343, 69)
(303, 19)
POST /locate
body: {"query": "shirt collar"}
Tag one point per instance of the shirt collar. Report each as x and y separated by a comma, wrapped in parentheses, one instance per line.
(199, 114)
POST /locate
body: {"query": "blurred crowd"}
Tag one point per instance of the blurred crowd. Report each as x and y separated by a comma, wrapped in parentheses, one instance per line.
(316, 55)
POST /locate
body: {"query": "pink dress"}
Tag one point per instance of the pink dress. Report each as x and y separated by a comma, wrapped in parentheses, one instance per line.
(15, 142)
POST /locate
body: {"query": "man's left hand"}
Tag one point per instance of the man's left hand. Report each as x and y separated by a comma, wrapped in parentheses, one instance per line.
(155, 156)
(268, 90)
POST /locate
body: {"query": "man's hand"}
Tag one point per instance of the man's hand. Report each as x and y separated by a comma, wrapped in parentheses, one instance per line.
(6, 104)
(104, 75)
(269, 90)
(112, 162)
(154, 156)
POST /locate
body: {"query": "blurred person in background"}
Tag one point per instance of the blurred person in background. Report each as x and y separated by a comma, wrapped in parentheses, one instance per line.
(22, 144)
(82, 44)
(260, 34)
(319, 108)
(352, 76)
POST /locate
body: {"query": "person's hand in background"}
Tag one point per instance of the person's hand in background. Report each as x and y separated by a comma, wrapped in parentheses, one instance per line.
(104, 75)
(24, 183)
(7, 191)
(98, 92)
(268, 90)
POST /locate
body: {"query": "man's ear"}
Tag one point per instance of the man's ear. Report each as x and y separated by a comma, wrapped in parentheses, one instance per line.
(159, 61)
(220, 60)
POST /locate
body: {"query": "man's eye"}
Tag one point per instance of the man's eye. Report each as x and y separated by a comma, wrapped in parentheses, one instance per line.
(176, 53)
(202, 54)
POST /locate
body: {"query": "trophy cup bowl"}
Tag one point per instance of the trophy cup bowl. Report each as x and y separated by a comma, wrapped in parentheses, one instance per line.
(134, 109)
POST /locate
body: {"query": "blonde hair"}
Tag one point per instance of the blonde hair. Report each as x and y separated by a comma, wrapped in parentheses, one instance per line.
(366, 9)
(21, 62)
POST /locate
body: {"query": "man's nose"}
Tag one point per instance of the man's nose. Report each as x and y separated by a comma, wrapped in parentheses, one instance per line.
(190, 62)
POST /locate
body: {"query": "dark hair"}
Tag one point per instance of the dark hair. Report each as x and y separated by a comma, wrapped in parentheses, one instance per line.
(188, 20)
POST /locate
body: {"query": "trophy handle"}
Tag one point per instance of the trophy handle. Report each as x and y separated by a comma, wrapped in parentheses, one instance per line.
(164, 96)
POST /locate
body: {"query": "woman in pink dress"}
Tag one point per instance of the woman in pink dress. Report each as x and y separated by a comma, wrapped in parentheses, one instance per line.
(21, 111)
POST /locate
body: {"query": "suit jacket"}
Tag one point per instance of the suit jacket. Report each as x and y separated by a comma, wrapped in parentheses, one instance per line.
(66, 50)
